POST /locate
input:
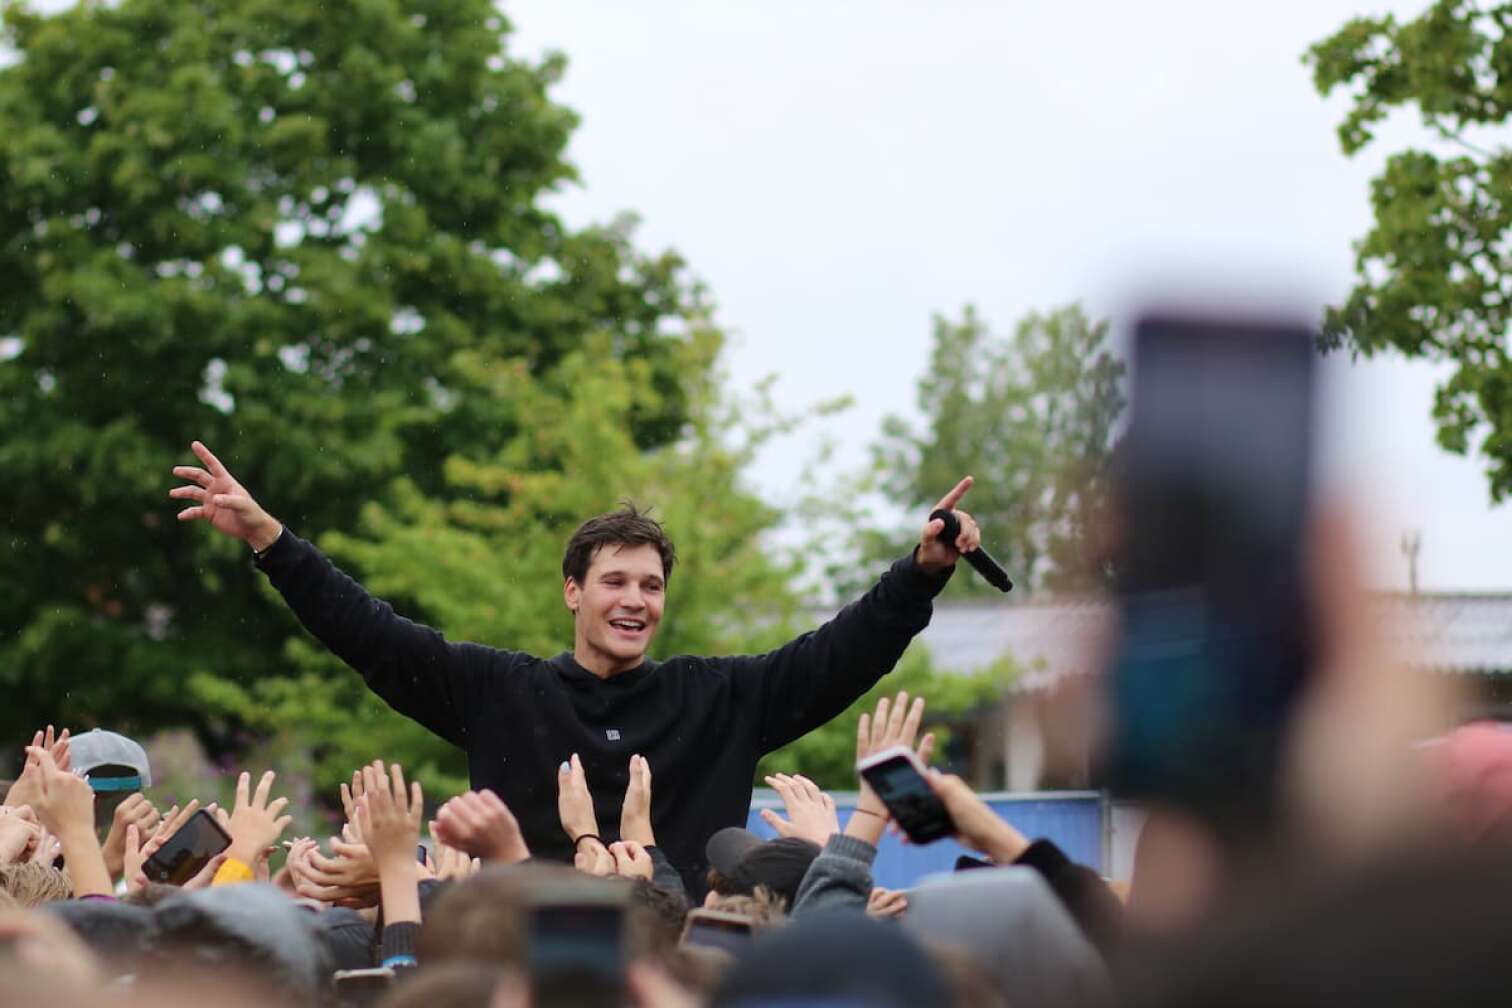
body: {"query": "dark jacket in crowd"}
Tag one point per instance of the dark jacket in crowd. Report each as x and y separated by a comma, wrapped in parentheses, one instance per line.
(702, 723)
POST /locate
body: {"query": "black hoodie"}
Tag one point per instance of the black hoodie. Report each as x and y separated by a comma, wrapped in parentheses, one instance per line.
(701, 723)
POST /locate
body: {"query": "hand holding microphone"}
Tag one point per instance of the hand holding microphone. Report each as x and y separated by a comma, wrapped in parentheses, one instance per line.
(950, 533)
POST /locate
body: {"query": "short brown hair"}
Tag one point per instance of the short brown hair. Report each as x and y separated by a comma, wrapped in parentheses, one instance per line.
(628, 526)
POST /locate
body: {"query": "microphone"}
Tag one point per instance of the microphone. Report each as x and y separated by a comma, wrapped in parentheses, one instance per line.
(992, 572)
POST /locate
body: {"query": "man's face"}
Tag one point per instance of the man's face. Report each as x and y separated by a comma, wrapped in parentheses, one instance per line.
(618, 606)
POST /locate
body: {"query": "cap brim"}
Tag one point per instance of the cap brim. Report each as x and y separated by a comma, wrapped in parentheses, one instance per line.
(728, 847)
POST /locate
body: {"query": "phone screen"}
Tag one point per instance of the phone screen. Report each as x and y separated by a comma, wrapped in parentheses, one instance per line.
(728, 936)
(1213, 488)
(577, 954)
(187, 851)
(910, 799)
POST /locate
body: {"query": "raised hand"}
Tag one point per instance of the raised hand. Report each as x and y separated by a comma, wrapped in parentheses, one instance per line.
(977, 826)
(480, 824)
(223, 502)
(349, 795)
(452, 863)
(136, 811)
(635, 814)
(884, 903)
(255, 822)
(631, 860)
(593, 858)
(19, 832)
(389, 820)
(896, 722)
(811, 812)
(138, 845)
(46, 850)
(65, 805)
(935, 554)
(389, 817)
(574, 802)
(26, 787)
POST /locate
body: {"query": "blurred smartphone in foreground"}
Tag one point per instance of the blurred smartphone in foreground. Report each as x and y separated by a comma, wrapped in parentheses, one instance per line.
(577, 942)
(186, 852)
(728, 932)
(1212, 491)
(898, 778)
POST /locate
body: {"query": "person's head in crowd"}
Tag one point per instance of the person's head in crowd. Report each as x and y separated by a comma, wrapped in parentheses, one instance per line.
(765, 908)
(253, 932)
(970, 982)
(658, 913)
(834, 958)
(740, 862)
(45, 963)
(31, 883)
(615, 573)
(482, 918)
(116, 766)
(116, 933)
(458, 984)
(696, 968)
(1010, 921)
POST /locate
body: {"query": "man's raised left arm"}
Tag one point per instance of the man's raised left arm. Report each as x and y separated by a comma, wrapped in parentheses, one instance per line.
(813, 678)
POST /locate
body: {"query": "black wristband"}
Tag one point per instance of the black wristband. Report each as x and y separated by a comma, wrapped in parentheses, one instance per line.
(588, 836)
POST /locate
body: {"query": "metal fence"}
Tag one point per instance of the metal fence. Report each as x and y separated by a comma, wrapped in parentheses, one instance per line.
(1078, 822)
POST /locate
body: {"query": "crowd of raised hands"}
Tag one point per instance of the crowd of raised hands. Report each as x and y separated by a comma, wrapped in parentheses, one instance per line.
(388, 872)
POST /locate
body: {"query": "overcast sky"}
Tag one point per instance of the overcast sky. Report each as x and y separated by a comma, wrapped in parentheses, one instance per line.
(839, 171)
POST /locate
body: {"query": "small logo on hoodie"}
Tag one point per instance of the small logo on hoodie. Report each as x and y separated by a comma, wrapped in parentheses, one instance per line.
(612, 733)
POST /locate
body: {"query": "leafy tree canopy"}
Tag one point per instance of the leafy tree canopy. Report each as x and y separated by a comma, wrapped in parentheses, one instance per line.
(319, 244)
(1434, 273)
(1031, 415)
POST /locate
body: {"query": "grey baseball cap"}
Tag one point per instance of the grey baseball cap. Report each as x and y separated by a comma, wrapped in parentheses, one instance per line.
(98, 749)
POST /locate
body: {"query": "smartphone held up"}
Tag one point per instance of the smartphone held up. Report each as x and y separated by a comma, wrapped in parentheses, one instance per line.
(1212, 486)
(900, 781)
(185, 853)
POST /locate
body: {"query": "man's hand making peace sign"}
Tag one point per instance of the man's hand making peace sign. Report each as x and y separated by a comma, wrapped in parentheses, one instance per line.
(223, 502)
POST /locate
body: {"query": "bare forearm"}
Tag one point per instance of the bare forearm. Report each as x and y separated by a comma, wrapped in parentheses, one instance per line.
(399, 889)
(86, 865)
(867, 823)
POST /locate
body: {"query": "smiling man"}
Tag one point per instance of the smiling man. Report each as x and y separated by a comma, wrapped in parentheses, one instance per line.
(701, 723)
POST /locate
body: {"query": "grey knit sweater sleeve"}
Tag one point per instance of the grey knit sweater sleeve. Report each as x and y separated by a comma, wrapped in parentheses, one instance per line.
(839, 879)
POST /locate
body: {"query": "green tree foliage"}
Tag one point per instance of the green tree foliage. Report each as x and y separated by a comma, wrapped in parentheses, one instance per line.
(316, 240)
(1031, 416)
(1433, 274)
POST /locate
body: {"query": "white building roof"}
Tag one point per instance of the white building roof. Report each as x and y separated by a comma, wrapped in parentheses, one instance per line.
(1459, 632)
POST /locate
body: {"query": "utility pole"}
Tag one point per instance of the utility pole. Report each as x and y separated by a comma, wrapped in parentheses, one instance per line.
(1412, 544)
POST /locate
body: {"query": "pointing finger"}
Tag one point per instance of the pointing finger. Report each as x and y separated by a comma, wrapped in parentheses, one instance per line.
(948, 502)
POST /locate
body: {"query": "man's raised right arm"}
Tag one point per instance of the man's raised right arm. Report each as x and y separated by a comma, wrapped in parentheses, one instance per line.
(416, 670)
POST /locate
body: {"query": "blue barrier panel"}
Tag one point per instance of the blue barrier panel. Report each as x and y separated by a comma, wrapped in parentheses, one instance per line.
(1073, 819)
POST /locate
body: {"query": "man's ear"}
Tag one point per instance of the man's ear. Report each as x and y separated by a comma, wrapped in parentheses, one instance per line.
(570, 593)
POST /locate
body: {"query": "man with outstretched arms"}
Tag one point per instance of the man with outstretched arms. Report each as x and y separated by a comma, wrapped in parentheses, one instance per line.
(701, 723)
